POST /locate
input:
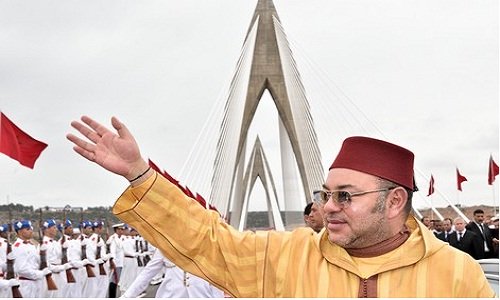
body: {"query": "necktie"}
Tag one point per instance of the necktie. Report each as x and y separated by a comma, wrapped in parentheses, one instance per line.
(482, 230)
(460, 234)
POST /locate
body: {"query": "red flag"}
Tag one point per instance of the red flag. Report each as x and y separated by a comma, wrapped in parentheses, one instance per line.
(17, 144)
(460, 179)
(431, 186)
(492, 171)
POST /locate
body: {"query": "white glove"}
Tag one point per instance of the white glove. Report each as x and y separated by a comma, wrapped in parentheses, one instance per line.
(100, 244)
(14, 282)
(57, 269)
(84, 242)
(99, 261)
(106, 257)
(65, 245)
(67, 266)
(136, 254)
(39, 274)
(46, 271)
(86, 262)
(77, 264)
(11, 256)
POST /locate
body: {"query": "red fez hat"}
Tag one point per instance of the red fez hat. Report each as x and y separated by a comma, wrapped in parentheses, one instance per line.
(378, 158)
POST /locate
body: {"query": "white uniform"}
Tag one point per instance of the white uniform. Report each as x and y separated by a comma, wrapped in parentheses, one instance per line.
(53, 255)
(116, 252)
(6, 287)
(4, 292)
(176, 284)
(26, 265)
(73, 289)
(129, 271)
(102, 280)
(91, 286)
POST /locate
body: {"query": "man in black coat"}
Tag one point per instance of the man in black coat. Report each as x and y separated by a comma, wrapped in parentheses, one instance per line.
(477, 226)
(447, 230)
(466, 240)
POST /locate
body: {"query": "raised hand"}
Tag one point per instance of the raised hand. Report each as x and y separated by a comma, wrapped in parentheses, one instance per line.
(116, 152)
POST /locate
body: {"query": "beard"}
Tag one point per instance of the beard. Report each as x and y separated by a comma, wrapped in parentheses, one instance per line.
(365, 231)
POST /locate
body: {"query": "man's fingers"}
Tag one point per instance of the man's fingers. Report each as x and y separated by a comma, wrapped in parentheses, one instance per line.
(88, 155)
(90, 134)
(100, 129)
(85, 146)
(121, 128)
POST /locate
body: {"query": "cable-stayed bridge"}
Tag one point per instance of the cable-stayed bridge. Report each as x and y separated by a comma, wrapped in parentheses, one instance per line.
(259, 149)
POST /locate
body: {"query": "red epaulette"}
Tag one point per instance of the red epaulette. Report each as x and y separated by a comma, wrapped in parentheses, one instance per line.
(17, 244)
(93, 238)
(45, 242)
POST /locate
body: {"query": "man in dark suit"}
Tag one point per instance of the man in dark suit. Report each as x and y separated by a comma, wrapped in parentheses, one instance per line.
(477, 226)
(466, 240)
(447, 230)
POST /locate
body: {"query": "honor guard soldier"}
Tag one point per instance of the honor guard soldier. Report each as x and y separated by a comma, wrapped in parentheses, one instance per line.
(99, 248)
(116, 257)
(88, 255)
(27, 261)
(53, 256)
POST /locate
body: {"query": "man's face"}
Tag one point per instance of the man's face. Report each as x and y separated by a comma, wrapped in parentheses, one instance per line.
(362, 223)
(427, 222)
(316, 217)
(25, 233)
(119, 231)
(459, 225)
(98, 230)
(438, 226)
(87, 230)
(68, 230)
(479, 217)
(51, 231)
(447, 225)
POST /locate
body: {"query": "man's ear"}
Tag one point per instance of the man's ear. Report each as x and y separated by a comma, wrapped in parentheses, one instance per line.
(396, 202)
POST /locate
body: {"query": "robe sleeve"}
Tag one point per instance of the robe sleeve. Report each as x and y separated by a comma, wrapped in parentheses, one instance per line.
(194, 238)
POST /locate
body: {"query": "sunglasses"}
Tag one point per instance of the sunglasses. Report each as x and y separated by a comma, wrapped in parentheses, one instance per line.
(342, 198)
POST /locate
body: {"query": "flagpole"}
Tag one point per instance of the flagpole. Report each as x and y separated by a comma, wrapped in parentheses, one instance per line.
(494, 200)
(432, 208)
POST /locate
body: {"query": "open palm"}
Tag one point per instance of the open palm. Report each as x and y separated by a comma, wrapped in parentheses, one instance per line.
(116, 152)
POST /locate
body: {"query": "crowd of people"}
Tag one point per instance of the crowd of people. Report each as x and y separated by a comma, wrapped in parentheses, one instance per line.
(478, 238)
(82, 262)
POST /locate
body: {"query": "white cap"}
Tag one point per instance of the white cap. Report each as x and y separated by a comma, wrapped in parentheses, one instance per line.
(119, 225)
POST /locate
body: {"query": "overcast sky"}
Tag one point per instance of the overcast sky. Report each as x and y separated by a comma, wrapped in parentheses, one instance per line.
(424, 72)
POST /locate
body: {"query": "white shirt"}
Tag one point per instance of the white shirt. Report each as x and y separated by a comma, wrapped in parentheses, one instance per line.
(27, 260)
(116, 249)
